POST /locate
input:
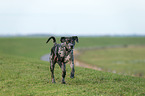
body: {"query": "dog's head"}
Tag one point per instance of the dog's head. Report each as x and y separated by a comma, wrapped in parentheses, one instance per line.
(69, 42)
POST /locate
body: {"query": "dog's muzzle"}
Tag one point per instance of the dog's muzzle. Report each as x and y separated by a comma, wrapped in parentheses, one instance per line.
(70, 46)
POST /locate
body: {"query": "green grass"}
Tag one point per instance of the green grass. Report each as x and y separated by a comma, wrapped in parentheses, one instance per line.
(109, 41)
(23, 73)
(26, 47)
(125, 60)
(36, 47)
(27, 76)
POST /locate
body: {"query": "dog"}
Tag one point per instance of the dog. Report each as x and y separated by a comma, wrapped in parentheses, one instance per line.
(62, 54)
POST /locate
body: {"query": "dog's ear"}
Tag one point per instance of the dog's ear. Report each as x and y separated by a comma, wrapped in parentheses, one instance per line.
(62, 39)
(76, 38)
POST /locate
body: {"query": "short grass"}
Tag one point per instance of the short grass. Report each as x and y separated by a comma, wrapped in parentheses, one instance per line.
(23, 73)
(126, 60)
(20, 76)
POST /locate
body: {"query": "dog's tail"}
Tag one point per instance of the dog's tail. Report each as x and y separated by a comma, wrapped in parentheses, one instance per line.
(54, 40)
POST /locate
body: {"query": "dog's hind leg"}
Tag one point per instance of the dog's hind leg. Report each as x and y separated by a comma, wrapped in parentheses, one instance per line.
(63, 72)
(72, 65)
(52, 65)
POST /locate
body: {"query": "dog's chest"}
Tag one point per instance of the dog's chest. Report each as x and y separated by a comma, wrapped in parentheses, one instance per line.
(62, 52)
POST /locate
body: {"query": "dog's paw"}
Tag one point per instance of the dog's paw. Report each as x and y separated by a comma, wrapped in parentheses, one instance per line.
(63, 82)
(72, 77)
(53, 80)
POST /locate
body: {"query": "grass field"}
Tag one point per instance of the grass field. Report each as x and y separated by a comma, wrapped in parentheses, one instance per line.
(124, 60)
(23, 73)
(36, 47)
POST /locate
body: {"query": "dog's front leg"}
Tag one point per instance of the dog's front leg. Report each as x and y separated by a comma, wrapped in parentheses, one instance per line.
(72, 65)
(63, 72)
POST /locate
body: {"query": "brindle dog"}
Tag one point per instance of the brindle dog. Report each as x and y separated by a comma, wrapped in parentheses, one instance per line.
(61, 54)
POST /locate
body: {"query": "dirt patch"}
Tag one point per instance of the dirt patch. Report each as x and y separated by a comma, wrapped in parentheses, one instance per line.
(82, 64)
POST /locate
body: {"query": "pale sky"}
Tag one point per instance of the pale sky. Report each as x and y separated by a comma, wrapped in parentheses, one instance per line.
(72, 17)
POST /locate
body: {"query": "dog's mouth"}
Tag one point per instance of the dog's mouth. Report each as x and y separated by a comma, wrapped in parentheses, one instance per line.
(68, 49)
(70, 46)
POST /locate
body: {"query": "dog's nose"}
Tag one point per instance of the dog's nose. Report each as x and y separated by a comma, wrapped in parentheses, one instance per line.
(71, 46)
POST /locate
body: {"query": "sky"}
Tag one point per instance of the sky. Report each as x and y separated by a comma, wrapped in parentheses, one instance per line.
(72, 17)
